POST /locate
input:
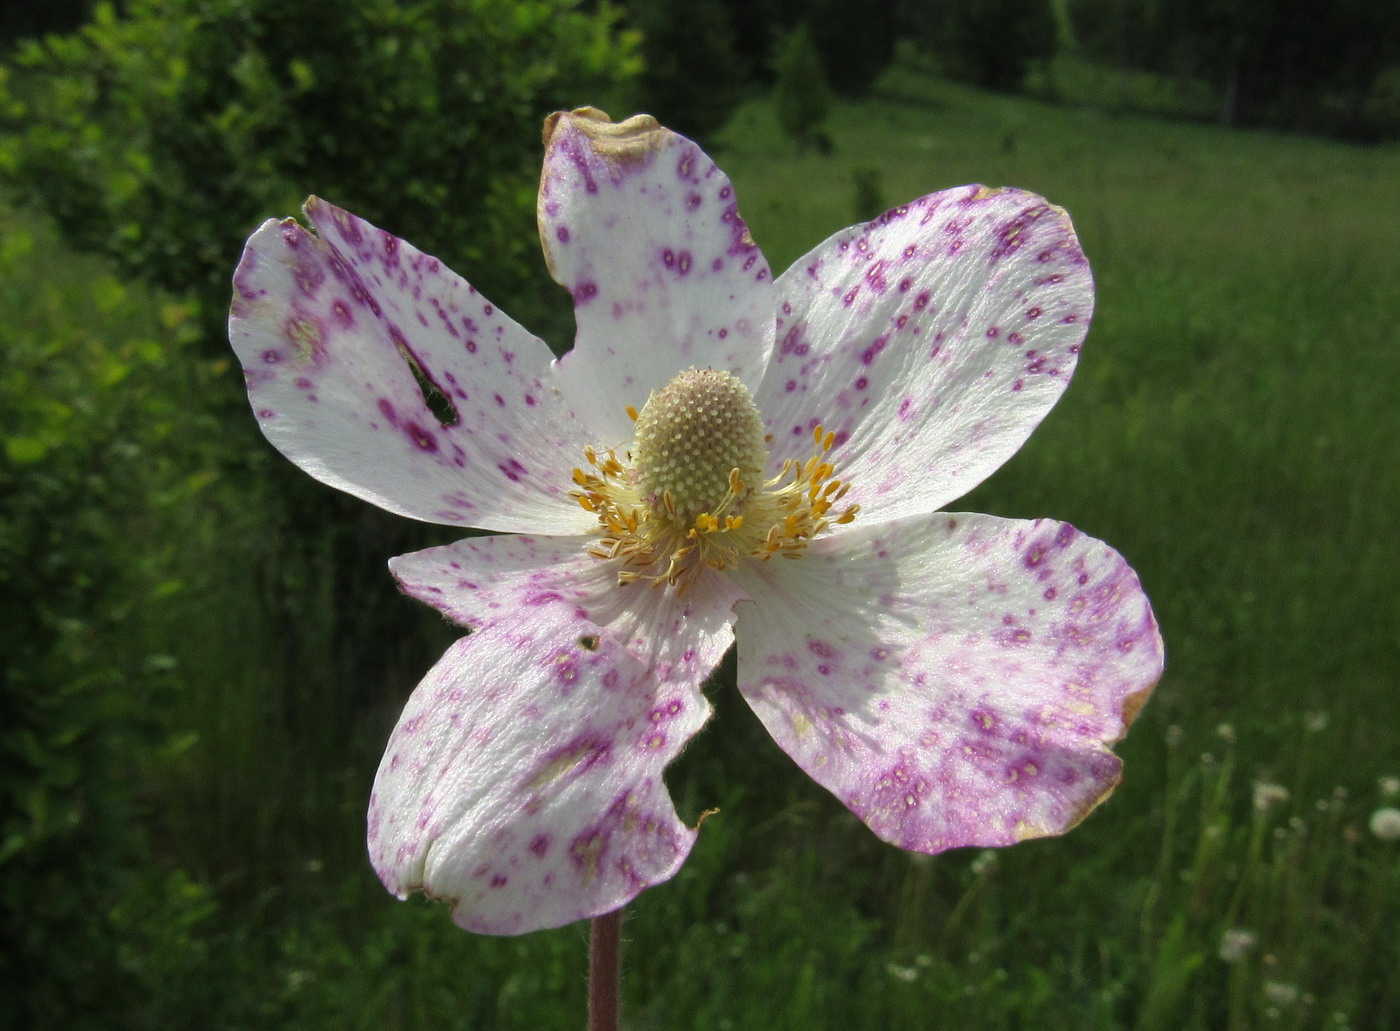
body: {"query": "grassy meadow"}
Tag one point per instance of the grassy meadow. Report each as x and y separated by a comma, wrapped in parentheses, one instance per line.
(1231, 430)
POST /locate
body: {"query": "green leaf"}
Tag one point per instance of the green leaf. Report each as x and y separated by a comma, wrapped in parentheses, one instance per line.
(25, 450)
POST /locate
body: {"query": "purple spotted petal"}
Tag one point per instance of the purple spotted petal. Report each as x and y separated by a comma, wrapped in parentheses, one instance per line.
(326, 327)
(523, 783)
(932, 341)
(481, 581)
(642, 229)
(953, 679)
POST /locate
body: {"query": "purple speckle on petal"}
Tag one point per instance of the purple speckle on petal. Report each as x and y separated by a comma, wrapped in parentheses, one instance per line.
(422, 438)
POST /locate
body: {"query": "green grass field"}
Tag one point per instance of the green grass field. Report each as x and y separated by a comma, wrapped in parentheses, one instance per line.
(1231, 430)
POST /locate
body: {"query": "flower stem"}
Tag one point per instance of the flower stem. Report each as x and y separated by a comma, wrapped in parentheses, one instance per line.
(604, 970)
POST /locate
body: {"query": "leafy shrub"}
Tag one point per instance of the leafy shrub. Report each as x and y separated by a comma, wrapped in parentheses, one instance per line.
(993, 43)
(162, 136)
(800, 92)
(694, 76)
(158, 138)
(84, 476)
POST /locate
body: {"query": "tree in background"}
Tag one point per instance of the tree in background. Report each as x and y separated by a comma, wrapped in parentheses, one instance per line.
(800, 91)
(162, 136)
(702, 59)
(994, 42)
(693, 75)
(148, 546)
(19, 18)
(856, 42)
(1290, 64)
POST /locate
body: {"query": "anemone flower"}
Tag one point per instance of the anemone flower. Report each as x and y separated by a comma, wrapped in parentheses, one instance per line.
(722, 459)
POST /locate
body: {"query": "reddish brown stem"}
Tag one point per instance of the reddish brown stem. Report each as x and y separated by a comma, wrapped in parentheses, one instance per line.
(604, 971)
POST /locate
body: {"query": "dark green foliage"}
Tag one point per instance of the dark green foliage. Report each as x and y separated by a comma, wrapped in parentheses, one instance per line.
(693, 76)
(87, 482)
(34, 17)
(800, 92)
(868, 194)
(1288, 64)
(856, 41)
(994, 42)
(164, 136)
(160, 568)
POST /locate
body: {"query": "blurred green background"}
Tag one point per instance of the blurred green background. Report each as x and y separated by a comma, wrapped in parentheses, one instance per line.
(203, 653)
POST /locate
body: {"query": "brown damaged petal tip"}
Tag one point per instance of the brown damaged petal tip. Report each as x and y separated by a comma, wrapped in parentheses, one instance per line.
(633, 138)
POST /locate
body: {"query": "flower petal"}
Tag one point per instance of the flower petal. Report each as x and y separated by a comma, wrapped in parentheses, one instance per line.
(643, 230)
(484, 581)
(523, 782)
(327, 327)
(953, 679)
(931, 341)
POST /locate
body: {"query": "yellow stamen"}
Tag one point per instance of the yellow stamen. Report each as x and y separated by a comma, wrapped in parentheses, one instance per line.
(688, 492)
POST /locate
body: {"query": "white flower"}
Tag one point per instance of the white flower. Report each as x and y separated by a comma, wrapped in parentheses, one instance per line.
(1235, 943)
(1267, 796)
(1279, 994)
(1385, 824)
(721, 457)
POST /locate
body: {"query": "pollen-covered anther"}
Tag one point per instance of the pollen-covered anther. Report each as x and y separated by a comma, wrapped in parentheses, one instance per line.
(684, 495)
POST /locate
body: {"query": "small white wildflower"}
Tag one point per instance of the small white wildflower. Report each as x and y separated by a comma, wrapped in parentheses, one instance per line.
(1267, 795)
(1385, 824)
(985, 862)
(1389, 786)
(900, 973)
(1314, 722)
(1226, 733)
(1280, 994)
(298, 979)
(1235, 943)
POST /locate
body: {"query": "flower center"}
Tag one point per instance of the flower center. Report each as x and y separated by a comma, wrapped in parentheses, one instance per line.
(688, 494)
(690, 435)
